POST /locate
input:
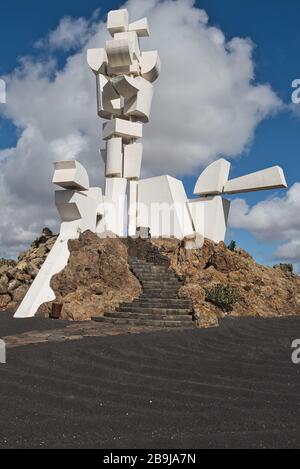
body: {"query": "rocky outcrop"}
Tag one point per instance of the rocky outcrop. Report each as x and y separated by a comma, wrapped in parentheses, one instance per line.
(96, 280)
(17, 276)
(262, 291)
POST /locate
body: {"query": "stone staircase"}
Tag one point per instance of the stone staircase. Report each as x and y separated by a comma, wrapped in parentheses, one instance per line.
(158, 304)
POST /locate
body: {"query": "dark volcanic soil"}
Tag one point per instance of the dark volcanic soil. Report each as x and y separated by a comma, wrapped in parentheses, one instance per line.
(228, 387)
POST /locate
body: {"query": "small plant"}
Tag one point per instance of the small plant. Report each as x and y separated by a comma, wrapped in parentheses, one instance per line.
(223, 296)
(287, 268)
(232, 246)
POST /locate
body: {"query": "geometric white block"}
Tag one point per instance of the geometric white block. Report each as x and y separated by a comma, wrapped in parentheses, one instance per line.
(150, 65)
(196, 208)
(271, 178)
(132, 38)
(213, 178)
(97, 60)
(70, 175)
(215, 213)
(162, 206)
(126, 86)
(119, 53)
(109, 102)
(132, 160)
(117, 21)
(114, 157)
(141, 27)
(122, 128)
(132, 69)
(140, 105)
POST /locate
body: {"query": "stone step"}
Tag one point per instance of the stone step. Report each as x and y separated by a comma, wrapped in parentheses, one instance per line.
(155, 261)
(171, 294)
(151, 270)
(163, 317)
(160, 302)
(148, 299)
(155, 277)
(154, 268)
(161, 305)
(156, 284)
(144, 322)
(151, 310)
(148, 265)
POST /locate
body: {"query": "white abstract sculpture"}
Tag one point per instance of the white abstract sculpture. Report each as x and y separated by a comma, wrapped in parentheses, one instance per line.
(124, 77)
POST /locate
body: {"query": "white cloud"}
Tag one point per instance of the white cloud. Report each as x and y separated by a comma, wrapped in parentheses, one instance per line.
(274, 219)
(71, 33)
(206, 104)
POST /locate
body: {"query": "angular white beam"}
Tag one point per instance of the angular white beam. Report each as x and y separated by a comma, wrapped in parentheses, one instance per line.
(70, 175)
(271, 178)
(213, 178)
(40, 291)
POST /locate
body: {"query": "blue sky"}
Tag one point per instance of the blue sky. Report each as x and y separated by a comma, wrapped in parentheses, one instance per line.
(273, 25)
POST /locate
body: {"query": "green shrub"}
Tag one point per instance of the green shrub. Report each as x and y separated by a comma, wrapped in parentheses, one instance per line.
(232, 246)
(223, 296)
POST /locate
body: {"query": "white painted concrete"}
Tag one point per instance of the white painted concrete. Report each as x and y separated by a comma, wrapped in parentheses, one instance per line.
(70, 175)
(114, 157)
(132, 160)
(150, 65)
(97, 60)
(212, 179)
(117, 21)
(40, 291)
(162, 206)
(122, 128)
(141, 27)
(132, 197)
(215, 212)
(271, 178)
(133, 40)
(115, 207)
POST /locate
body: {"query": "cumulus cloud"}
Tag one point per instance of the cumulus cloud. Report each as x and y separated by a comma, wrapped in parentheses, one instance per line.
(206, 104)
(71, 33)
(274, 219)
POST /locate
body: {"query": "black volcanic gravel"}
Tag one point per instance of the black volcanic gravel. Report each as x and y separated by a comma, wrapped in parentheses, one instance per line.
(228, 387)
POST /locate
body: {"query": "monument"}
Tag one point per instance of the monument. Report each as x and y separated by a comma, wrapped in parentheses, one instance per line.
(129, 205)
